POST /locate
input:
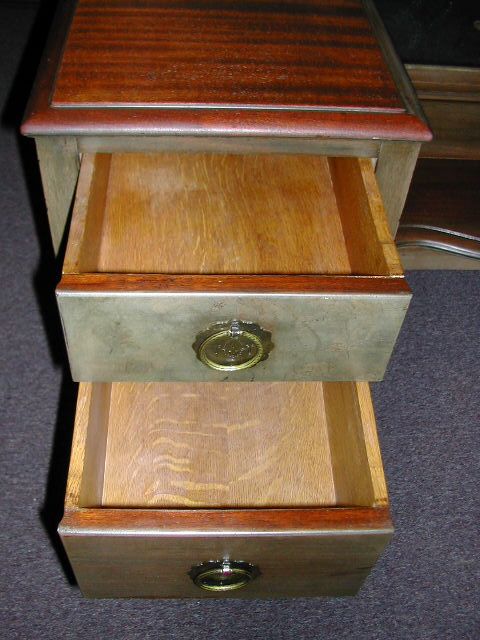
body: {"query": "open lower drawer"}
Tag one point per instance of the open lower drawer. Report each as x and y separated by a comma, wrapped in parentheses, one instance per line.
(194, 490)
(201, 267)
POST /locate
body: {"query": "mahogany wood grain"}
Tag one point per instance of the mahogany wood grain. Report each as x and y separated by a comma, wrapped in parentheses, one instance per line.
(332, 71)
(226, 54)
(207, 522)
(232, 283)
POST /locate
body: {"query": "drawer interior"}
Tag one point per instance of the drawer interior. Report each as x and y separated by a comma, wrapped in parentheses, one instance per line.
(172, 213)
(230, 445)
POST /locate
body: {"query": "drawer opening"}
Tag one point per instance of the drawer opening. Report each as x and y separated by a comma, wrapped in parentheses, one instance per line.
(233, 445)
(206, 214)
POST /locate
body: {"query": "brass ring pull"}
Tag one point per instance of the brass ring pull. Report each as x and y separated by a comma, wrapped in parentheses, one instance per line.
(223, 575)
(233, 345)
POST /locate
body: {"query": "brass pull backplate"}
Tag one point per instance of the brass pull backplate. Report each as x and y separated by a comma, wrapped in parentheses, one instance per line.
(233, 345)
(223, 575)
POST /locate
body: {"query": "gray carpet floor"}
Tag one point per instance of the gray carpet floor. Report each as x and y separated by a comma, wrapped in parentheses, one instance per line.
(427, 583)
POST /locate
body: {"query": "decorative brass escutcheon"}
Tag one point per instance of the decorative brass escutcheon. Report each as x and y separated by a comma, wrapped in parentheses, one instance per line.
(223, 575)
(233, 345)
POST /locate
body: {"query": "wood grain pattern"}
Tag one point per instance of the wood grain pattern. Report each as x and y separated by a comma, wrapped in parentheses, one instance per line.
(227, 214)
(128, 552)
(229, 54)
(223, 522)
(211, 445)
(331, 59)
(202, 213)
(372, 445)
(366, 235)
(229, 445)
(347, 445)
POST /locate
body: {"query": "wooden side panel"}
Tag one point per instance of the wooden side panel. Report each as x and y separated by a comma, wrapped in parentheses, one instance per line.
(86, 230)
(353, 483)
(146, 566)
(148, 335)
(369, 243)
(372, 445)
(456, 127)
(91, 487)
(59, 168)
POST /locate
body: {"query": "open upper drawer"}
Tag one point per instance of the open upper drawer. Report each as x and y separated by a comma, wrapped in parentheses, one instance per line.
(217, 267)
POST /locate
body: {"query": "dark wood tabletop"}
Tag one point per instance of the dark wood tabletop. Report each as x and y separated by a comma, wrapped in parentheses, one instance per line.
(259, 67)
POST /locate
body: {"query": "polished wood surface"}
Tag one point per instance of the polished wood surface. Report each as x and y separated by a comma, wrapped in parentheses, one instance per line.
(229, 214)
(100, 282)
(226, 54)
(139, 552)
(259, 69)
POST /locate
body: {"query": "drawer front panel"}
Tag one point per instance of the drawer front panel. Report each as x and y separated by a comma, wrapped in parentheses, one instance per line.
(150, 336)
(149, 566)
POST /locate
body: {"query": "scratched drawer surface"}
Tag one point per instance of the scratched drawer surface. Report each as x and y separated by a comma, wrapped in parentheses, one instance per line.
(211, 267)
(201, 490)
